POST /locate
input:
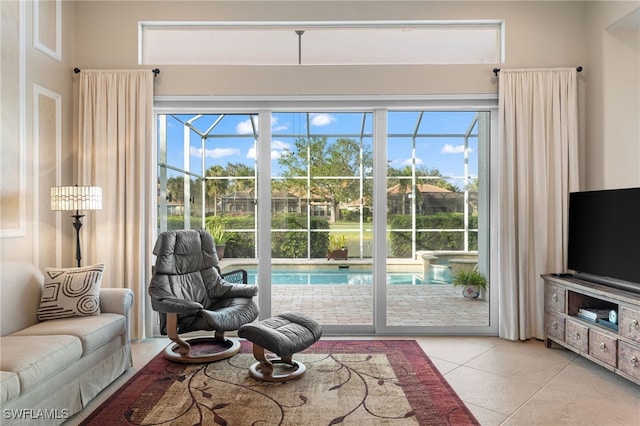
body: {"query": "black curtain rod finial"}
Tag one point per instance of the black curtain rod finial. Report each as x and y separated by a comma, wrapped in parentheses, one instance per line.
(76, 70)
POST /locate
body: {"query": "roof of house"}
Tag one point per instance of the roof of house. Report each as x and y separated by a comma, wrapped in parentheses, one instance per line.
(421, 187)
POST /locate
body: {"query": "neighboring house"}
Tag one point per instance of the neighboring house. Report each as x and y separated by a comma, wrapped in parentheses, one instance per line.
(175, 208)
(244, 201)
(431, 199)
(281, 202)
(238, 202)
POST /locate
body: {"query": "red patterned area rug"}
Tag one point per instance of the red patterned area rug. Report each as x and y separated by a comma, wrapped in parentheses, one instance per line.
(347, 382)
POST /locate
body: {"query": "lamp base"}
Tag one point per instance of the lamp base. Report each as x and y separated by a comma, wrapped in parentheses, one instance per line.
(77, 224)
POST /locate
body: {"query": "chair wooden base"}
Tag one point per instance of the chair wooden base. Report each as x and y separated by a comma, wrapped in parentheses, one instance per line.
(275, 369)
(180, 349)
(172, 353)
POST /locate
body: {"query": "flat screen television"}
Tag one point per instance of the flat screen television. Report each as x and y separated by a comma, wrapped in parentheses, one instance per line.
(604, 237)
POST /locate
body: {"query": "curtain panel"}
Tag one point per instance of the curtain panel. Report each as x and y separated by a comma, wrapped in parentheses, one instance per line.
(538, 163)
(115, 150)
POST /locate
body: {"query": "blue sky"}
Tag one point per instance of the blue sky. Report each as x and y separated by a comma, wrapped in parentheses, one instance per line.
(236, 144)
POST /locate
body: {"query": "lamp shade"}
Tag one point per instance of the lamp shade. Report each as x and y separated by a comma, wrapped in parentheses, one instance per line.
(76, 198)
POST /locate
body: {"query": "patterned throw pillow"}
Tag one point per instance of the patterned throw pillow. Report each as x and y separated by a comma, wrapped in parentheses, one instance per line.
(71, 292)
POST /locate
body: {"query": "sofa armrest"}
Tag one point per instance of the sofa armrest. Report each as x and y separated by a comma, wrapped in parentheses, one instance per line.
(116, 300)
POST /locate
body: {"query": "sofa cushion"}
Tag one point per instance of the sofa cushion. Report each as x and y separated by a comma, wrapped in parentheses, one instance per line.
(71, 292)
(93, 331)
(9, 386)
(36, 358)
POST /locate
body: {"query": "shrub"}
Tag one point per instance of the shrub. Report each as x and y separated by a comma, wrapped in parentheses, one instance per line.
(466, 278)
(432, 240)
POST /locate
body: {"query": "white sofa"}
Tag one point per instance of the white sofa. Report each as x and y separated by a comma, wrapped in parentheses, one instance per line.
(50, 370)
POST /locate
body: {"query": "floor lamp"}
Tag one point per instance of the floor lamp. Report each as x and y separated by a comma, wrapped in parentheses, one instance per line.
(76, 198)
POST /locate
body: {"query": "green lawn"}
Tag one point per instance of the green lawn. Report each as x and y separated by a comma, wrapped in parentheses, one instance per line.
(353, 236)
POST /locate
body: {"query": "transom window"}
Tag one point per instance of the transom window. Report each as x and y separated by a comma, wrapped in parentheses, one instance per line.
(321, 43)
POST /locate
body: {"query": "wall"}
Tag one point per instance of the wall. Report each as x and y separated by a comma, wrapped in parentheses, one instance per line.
(611, 151)
(46, 237)
(107, 38)
(103, 34)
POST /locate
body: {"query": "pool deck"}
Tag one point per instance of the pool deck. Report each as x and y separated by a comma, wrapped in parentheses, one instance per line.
(407, 305)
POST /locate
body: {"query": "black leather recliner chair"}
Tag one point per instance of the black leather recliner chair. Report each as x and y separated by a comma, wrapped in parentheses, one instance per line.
(190, 294)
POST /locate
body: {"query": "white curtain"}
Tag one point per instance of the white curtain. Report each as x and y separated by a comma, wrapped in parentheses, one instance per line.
(538, 155)
(115, 152)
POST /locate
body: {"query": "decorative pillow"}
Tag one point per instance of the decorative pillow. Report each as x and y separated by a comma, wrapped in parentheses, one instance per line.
(71, 292)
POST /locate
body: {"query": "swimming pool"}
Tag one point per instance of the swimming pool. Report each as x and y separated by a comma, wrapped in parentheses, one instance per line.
(321, 275)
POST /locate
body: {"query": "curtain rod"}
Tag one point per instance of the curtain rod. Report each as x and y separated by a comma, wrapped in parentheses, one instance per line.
(155, 71)
(497, 70)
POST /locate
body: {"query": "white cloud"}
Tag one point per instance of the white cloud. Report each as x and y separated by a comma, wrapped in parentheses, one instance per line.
(277, 148)
(275, 127)
(450, 149)
(407, 162)
(322, 119)
(252, 152)
(279, 145)
(213, 153)
(245, 127)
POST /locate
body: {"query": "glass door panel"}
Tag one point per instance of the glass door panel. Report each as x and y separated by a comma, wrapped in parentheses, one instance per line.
(320, 201)
(207, 176)
(433, 177)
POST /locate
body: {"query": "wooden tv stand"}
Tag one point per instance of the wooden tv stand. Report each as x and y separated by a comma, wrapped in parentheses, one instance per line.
(616, 350)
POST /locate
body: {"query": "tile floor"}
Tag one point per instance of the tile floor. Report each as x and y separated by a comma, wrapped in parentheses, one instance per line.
(502, 382)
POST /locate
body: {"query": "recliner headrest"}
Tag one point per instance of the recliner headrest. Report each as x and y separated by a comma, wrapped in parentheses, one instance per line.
(184, 251)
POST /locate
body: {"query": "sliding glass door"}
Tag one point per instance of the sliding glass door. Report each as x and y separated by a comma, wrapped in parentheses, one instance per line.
(357, 216)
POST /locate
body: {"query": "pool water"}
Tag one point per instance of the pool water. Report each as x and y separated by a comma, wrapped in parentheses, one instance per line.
(337, 276)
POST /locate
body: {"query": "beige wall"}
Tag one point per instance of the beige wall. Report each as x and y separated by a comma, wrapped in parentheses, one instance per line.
(45, 137)
(539, 34)
(542, 34)
(611, 142)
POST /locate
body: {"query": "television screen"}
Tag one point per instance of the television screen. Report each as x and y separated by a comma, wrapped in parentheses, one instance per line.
(604, 236)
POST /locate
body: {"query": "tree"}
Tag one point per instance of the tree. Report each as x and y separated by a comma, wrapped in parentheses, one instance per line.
(220, 181)
(175, 189)
(331, 166)
(215, 187)
(240, 170)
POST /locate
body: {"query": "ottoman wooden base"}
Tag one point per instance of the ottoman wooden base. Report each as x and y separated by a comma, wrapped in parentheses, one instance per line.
(283, 335)
(275, 369)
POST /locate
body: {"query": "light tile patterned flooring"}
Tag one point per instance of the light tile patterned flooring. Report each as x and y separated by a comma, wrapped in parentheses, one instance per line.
(502, 382)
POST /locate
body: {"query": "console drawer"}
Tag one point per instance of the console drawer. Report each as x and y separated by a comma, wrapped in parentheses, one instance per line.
(629, 321)
(629, 359)
(554, 298)
(555, 325)
(603, 347)
(577, 336)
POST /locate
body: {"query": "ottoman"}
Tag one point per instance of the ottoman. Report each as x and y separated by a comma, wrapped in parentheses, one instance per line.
(283, 335)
